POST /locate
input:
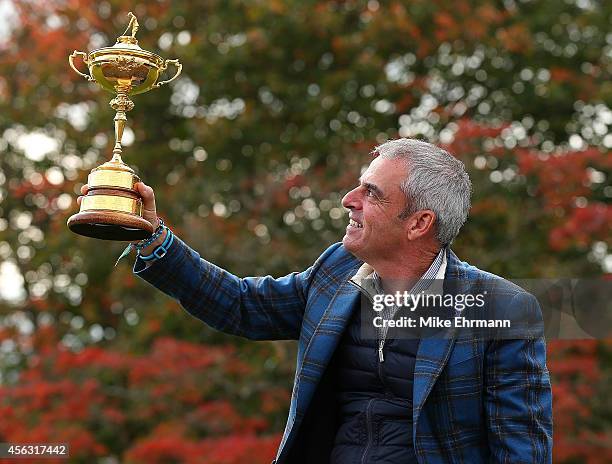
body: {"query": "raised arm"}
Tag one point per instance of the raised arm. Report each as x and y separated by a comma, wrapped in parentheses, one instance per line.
(259, 308)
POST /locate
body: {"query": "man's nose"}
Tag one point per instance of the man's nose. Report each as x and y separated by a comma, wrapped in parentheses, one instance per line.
(351, 199)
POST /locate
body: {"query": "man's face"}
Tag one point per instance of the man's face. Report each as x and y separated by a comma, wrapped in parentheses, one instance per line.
(374, 229)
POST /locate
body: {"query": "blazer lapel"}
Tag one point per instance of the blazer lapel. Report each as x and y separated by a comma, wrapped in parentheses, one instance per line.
(432, 356)
(433, 353)
(317, 355)
(324, 341)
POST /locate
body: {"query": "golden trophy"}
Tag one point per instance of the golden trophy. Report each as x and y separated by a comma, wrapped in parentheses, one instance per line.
(112, 208)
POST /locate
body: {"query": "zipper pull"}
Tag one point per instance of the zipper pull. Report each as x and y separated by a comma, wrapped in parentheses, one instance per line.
(381, 356)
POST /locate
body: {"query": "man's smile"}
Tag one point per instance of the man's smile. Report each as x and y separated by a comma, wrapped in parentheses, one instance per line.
(354, 224)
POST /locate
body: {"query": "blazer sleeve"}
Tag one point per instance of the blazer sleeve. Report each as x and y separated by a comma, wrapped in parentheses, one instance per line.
(518, 397)
(258, 308)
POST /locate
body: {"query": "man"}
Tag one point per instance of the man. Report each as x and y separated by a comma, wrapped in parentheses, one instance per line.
(365, 400)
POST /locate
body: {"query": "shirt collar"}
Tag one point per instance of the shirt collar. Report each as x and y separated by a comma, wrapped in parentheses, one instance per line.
(367, 278)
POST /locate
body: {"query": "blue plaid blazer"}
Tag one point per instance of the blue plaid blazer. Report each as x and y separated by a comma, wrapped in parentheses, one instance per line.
(473, 401)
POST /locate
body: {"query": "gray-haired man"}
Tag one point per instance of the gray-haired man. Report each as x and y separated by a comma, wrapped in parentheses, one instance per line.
(366, 400)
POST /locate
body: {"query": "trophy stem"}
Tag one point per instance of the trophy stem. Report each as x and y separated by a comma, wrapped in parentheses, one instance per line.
(121, 103)
(120, 119)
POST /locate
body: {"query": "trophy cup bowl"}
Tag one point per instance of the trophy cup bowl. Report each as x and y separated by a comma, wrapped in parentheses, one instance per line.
(112, 208)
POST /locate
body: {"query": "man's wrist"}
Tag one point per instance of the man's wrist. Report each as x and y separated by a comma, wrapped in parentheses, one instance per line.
(151, 248)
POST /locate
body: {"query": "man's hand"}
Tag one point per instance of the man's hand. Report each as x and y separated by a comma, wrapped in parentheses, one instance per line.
(148, 210)
(148, 201)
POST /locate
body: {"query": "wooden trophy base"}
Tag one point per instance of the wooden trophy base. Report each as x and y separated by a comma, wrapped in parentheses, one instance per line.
(110, 225)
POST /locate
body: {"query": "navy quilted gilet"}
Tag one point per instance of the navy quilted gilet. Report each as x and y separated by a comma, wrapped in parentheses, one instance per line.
(374, 399)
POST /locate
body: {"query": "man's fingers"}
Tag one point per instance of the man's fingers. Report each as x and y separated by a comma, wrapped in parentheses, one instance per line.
(148, 203)
(84, 189)
(79, 200)
(145, 191)
(148, 196)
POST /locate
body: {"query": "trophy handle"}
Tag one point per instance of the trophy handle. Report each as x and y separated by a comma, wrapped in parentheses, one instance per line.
(179, 68)
(71, 61)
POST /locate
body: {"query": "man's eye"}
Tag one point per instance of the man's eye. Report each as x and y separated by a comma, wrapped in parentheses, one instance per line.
(370, 192)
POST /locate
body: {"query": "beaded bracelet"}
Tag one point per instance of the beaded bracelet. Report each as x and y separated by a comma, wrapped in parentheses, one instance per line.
(145, 243)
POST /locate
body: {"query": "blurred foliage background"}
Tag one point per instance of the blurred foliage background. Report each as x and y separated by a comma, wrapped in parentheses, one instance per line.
(250, 152)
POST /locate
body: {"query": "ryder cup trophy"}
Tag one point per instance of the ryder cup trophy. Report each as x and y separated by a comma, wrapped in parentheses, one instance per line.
(112, 208)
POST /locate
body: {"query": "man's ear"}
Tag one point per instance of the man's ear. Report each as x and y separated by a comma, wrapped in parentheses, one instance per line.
(420, 223)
